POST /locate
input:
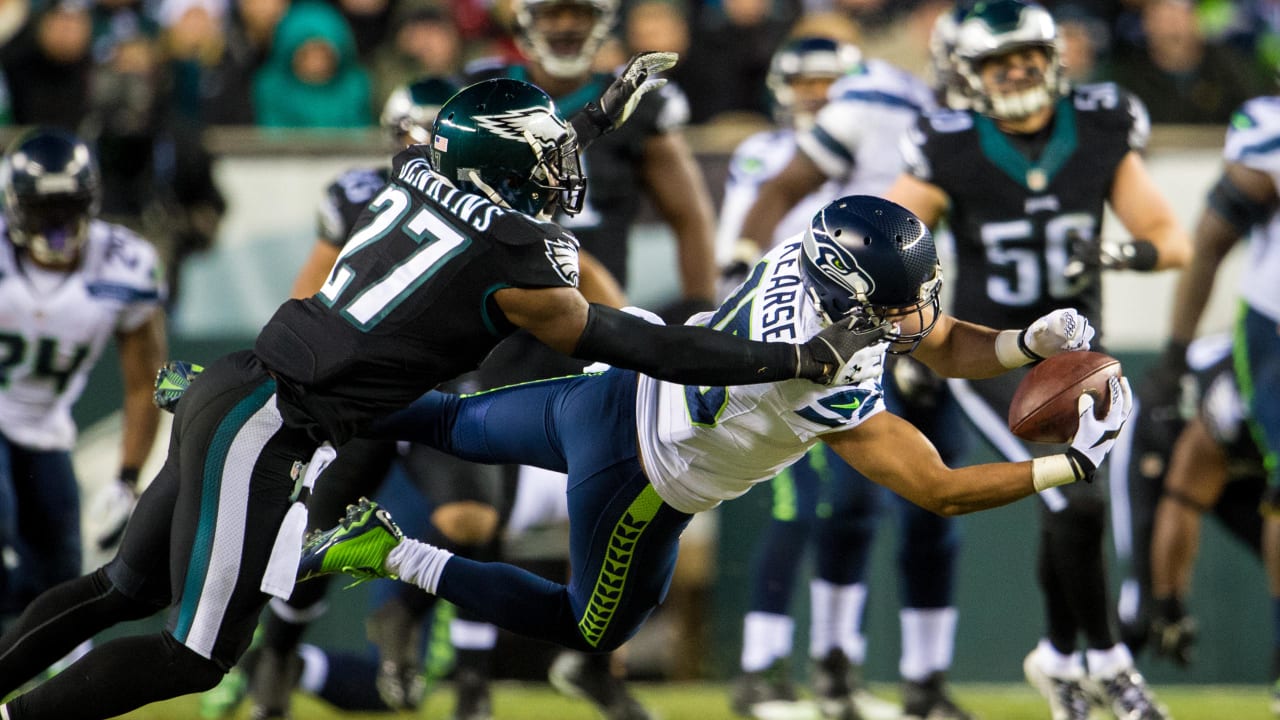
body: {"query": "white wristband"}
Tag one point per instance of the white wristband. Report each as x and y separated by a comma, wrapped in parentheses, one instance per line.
(1008, 352)
(1052, 471)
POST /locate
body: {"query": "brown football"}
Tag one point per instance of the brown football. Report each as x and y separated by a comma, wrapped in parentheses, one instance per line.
(1044, 405)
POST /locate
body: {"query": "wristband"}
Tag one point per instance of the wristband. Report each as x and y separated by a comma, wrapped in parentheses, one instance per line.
(1140, 255)
(1052, 471)
(129, 476)
(1012, 351)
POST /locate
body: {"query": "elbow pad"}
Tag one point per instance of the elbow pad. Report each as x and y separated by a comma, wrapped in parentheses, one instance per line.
(1238, 209)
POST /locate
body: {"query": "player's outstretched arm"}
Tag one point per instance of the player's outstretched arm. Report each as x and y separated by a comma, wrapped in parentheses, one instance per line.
(893, 453)
(962, 349)
(687, 354)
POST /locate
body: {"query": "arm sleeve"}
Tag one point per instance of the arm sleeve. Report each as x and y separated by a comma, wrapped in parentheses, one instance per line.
(684, 354)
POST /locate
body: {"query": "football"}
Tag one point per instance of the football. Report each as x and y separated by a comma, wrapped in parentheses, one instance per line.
(1044, 405)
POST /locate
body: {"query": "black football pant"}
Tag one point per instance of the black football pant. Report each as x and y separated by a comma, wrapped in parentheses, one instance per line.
(1070, 564)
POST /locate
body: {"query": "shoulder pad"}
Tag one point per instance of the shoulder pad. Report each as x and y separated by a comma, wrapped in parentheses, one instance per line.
(948, 121)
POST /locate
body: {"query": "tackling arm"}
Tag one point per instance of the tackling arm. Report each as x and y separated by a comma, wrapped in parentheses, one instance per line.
(685, 354)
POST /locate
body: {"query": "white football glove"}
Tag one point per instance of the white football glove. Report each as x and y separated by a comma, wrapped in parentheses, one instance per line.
(1060, 331)
(109, 511)
(637, 80)
(865, 364)
(1094, 437)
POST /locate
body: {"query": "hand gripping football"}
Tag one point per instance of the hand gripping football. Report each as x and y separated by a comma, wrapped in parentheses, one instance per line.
(1044, 407)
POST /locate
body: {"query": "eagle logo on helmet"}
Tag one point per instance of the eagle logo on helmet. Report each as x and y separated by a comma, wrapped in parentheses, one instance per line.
(538, 123)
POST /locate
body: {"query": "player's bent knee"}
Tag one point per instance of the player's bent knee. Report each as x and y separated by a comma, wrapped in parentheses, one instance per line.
(466, 522)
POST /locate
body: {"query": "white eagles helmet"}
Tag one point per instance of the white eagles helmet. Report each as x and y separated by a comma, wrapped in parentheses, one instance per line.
(997, 27)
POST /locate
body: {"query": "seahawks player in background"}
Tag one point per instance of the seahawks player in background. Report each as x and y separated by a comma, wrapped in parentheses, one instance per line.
(1244, 201)
(643, 455)
(449, 258)
(1214, 467)
(854, 143)
(70, 284)
(1022, 180)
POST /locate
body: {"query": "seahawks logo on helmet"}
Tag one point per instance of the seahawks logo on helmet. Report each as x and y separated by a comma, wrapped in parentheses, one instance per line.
(563, 254)
(518, 124)
(840, 265)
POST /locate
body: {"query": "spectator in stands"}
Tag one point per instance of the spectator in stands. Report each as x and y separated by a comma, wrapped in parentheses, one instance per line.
(1180, 76)
(370, 23)
(1085, 43)
(659, 25)
(47, 66)
(226, 88)
(191, 39)
(312, 77)
(424, 41)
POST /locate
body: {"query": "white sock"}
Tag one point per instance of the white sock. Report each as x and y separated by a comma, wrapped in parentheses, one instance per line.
(928, 641)
(835, 613)
(1055, 664)
(765, 638)
(315, 668)
(1106, 663)
(471, 635)
(418, 563)
(4, 712)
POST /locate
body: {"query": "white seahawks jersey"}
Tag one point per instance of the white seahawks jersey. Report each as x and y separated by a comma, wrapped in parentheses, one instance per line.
(54, 326)
(703, 445)
(1253, 140)
(855, 136)
(755, 161)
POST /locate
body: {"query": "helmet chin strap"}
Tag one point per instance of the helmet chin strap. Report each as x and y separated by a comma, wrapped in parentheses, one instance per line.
(487, 189)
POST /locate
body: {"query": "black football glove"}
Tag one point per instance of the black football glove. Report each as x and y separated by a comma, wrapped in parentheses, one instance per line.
(1173, 632)
(1160, 397)
(623, 95)
(1091, 255)
(844, 353)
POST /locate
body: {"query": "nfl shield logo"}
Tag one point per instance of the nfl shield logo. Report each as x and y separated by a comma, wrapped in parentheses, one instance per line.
(441, 143)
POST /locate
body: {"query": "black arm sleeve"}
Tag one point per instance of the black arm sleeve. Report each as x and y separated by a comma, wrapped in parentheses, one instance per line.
(1238, 209)
(682, 354)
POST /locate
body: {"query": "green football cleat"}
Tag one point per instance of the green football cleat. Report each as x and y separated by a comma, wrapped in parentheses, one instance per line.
(358, 546)
(172, 381)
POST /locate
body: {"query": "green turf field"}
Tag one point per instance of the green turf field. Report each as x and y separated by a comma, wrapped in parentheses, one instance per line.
(706, 701)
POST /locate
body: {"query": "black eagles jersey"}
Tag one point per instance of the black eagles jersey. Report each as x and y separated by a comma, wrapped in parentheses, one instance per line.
(409, 303)
(612, 163)
(344, 200)
(1020, 206)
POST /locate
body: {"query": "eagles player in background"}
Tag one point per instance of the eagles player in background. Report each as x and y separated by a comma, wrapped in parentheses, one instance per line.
(1022, 180)
(644, 455)
(854, 143)
(447, 260)
(69, 285)
(1244, 201)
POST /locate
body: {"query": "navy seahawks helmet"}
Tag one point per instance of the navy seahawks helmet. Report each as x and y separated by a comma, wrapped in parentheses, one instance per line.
(567, 54)
(806, 57)
(503, 139)
(411, 109)
(51, 190)
(872, 259)
(997, 27)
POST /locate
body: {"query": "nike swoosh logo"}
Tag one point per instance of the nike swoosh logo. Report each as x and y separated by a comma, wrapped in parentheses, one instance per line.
(849, 406)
